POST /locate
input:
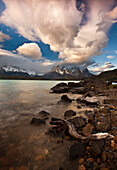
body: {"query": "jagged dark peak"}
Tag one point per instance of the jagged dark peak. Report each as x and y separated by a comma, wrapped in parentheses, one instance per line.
(75, 69)
(85, 70)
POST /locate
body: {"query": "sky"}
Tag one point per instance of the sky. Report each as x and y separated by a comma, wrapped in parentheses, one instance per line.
(37, 35)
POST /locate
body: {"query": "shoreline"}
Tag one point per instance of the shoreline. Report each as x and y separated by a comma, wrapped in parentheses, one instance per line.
(43, 146)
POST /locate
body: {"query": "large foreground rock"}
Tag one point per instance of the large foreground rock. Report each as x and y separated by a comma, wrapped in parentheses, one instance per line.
(60, 88)
(86, 102)
(78, 122)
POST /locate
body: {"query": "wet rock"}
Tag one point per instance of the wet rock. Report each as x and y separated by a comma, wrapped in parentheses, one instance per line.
(79, 107)
(37, 121)
(110, 101)
(86, 102)
(76, 150)
(69, 113)
(96, 147)
(102, 122)
(102, 126)
(43, 114)
(65, 98)
(87, 130)
(78, 122)
(60, 88)
(88, 94)
(73, 84)
(78, 90)
(90, 115)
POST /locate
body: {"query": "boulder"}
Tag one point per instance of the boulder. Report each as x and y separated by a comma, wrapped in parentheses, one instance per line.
(43, 114)
(86, 102)
(65, 98)
(37, 121)
(96, 147)
(60, 88)
(78, 122)
(90, 115)
(87, 130)
(77, 90)
(76, 150)
(102, 126)
(69, 113)
(102, 121)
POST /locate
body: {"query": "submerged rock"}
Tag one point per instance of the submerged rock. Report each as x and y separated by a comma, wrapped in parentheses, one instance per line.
(76, 150)
(37, 121)
(65, 98)
(43, 114)
(69, 113)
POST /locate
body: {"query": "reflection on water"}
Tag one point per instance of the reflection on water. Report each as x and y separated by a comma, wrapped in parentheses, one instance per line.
(23, 145)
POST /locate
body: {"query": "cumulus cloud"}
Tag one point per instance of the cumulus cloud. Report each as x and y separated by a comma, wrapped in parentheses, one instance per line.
(3, 36)
(63, 26)
(48, 63)
(110, 57)
(30, 50)
(9, 58)
(105, 67)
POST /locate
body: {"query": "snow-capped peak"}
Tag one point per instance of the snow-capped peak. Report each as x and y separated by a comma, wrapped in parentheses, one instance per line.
(17, 69)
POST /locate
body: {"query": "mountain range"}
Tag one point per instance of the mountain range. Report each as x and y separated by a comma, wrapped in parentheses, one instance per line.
(67, 73)
(55, 73)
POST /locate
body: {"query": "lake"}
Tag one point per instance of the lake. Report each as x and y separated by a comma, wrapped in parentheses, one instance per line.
(23, 145)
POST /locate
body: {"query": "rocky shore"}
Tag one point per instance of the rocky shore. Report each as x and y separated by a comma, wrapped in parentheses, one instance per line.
(99, 151)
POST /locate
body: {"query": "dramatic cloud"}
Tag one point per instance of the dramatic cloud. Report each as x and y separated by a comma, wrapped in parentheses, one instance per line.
(110, 57)
(3, 36)
(113, 13)
(30, 50)
(55, 22)
(63, 26)
(105, 67)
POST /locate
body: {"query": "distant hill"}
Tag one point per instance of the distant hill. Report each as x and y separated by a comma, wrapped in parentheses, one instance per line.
(110, 75)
